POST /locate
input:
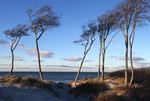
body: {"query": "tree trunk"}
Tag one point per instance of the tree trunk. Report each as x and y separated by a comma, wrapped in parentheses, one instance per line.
(39, 61)
(12, 68)
(132, 68)
(79, 69)
(99, 64)
(126, 61)
(103, 64)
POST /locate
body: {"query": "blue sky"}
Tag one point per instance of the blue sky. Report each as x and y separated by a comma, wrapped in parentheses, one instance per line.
(58, 51)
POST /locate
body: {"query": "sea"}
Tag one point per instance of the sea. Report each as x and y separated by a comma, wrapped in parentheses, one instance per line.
(54, 76)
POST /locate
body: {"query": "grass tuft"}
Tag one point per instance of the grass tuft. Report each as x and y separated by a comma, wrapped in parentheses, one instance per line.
(141, 75)
(109, 97)
(10, 79)
(89, 88)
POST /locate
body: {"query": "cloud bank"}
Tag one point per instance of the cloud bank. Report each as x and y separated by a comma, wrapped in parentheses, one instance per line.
(44, 54)
(73, 59)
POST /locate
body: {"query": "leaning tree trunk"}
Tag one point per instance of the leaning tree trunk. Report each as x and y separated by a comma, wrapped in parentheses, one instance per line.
(12, 61)
(85, 53)
(80, 69)
(132, 68)
(39, 61)
(126, 61)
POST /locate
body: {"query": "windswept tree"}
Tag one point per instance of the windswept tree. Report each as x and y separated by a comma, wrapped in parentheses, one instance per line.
(42, 20)
(107, 25)
(14, 35)
(133, 14)
(86, 39)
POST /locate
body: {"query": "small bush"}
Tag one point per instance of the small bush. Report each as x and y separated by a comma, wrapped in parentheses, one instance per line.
(141, 75)
(109, 97)
(141, 93)
(116, 74)
(10, 79)
(29, 81)
(89, 88)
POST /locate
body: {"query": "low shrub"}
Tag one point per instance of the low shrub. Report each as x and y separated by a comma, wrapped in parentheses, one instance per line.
(107, 96)
(141, 75)
(116, 74)
(30, 81)
(140, 93)
(89, 88)
(10, 79)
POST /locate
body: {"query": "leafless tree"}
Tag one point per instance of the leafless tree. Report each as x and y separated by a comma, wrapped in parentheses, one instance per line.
(42, 20)
(86, 39)
(132, 15)
(15, 35)
(141, 12)
(107, 25)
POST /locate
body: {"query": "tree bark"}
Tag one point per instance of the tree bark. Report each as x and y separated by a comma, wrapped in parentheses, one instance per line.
(132, 68)
(103, 64)
(39, 61)
(12, 61)
(80, 69)
(126, 61)
(99, 64)
(85, 53)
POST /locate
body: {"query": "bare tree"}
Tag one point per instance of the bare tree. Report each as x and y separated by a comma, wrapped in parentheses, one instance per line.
(86, 39)
(42, 20)
(15, 35)
(141, 12)
(107, 25)
(131, 15)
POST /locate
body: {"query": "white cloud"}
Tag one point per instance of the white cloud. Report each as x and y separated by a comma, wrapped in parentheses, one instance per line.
(143, 64)
(17, 58)
(3, 42)
(73, 59)
(88, 60)
(31, 51)
(45, 53)
(37, 60)
(135, 59)
(113, 57)
(20, 45)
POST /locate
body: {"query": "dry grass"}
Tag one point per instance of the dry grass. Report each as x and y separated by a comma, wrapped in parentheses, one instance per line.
(31, 81)
(141, 93)
(141, 76)
(107, 96)
(89, 88)
(25, 81)
(10, 79)
(125, 94)
(116, 74)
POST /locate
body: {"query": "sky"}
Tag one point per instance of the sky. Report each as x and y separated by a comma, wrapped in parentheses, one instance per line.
(58, 52)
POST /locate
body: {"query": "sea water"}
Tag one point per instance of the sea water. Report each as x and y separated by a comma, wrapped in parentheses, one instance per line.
(54, 76)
